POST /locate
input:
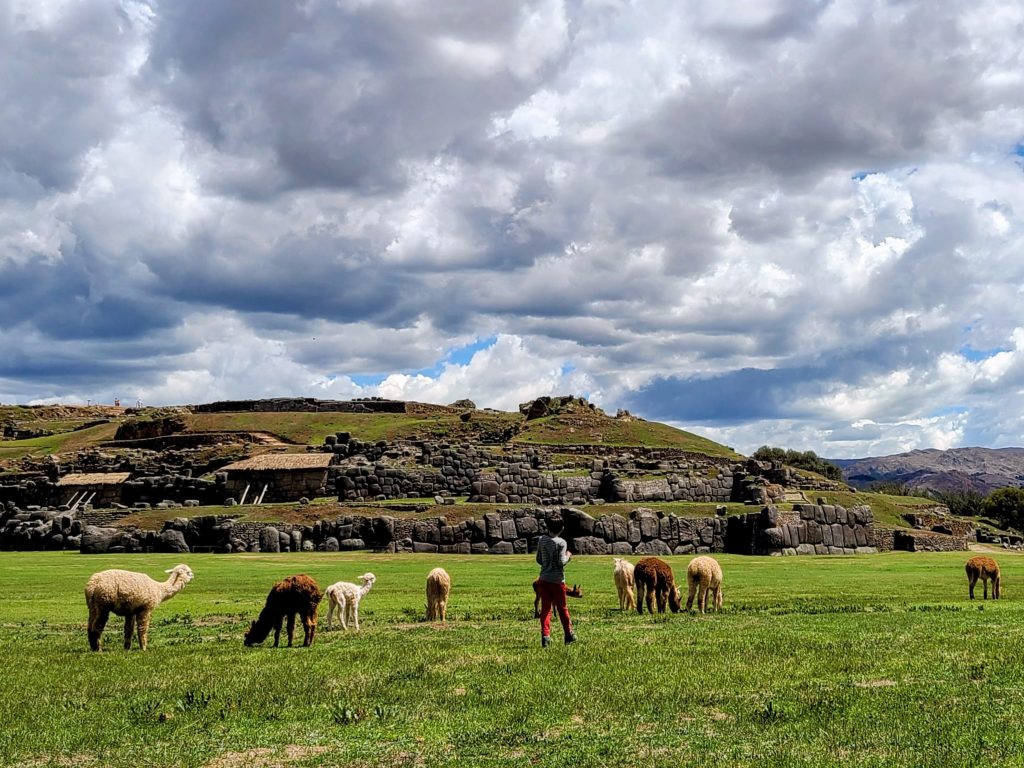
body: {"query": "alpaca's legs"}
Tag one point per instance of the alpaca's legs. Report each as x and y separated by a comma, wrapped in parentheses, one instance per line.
(718, 597)
(308, 629)
(984, 586)
(972, 579)
(444, 611)
(129, 630)
(641, 588)
(291, 628)
(97, 621)
(702, 596)
(142, 628)
(277, 630)
(690, 594)
(330, 611)
(662, 595)
(355, 613)
(343, 611)
(630, 599)
(995, 588)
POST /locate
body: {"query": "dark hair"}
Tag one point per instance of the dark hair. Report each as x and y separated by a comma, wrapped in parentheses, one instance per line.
(554, 525)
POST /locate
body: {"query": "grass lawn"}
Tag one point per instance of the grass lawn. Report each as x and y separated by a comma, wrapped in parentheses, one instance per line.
(868, 661)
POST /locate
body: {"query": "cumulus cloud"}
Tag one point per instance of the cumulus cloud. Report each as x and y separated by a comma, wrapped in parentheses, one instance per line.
(793, 222)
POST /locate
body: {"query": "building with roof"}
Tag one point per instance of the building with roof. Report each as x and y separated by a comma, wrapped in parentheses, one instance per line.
(276, 477)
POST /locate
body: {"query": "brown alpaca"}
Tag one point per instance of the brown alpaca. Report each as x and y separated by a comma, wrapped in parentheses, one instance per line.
(983, 568)
(295, 595)
(439, 585)
(654, 576)
(706, 574)
(576, 591)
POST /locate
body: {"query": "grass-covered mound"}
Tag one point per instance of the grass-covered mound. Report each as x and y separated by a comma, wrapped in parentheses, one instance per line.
(862, 661)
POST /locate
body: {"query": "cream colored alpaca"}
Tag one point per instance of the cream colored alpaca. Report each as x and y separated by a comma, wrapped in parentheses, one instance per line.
(624, 584)
(439, 585)
(345, 596)
(704, 574)
(132, 595)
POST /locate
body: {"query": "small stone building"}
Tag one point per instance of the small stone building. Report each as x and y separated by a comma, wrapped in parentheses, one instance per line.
(101, 489)
(285, 476)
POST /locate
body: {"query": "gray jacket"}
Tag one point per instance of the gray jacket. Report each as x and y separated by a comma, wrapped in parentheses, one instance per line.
(552, 555)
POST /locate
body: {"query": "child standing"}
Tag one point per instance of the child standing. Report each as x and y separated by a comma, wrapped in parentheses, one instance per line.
(552, 556)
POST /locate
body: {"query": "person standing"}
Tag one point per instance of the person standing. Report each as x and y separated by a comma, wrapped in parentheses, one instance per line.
(552, 556)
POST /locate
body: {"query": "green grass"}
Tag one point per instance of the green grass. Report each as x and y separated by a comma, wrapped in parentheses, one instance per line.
(312, 428)
(867, 661)
(590, 429)
(59, 443)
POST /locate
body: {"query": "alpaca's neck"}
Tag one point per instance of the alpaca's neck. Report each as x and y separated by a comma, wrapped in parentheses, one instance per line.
(365, 588)
(171, 587)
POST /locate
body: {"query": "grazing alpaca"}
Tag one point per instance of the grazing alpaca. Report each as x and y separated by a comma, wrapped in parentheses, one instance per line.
(706, 574)
(345, 596)
(576, 591)
(655, 577)
(295, 595)
(983, 568)
(132, 595)
(439, 585)
(623, 574)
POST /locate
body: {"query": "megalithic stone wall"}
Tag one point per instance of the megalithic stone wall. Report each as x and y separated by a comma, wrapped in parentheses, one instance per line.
(644, 532)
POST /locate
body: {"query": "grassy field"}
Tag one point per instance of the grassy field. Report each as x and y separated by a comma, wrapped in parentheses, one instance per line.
(58, 443)
(867, 661)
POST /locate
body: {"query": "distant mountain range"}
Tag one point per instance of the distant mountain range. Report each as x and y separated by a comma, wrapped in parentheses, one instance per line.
(979, 469)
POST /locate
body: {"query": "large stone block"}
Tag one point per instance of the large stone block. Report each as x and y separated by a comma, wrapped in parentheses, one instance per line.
(173, 541)
(653, 547)
(270, 539)
(589, 545)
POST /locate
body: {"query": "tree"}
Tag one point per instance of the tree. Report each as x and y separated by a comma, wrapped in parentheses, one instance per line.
(964, 502)
(1006, 507)
(808, 460)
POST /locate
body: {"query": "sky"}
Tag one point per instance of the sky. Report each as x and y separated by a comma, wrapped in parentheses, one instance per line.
(789, 223)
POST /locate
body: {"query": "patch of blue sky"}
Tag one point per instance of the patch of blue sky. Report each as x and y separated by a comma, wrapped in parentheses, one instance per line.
(977, 355)
(454, 356)
(861, 175)
(367, 380)
(1019, 149)
(948, 410)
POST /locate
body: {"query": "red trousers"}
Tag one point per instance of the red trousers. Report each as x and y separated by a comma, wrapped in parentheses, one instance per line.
(552, 594)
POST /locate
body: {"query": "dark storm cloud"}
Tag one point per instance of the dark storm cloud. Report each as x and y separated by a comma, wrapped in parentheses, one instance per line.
(337, 95)
(55, 103)
(867, 94)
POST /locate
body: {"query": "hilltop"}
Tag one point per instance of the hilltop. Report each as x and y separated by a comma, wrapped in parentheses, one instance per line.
(298, 422)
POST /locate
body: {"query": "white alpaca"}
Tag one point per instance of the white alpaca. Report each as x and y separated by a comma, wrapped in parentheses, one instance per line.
(132, 595)
(623, 574)
(439, 585)
(345, 596)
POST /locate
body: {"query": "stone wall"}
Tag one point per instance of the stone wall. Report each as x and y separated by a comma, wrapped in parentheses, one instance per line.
(303, 404)
(815, 529)
(904, 540)
(281, 484)
(714, 486)
(644, 532)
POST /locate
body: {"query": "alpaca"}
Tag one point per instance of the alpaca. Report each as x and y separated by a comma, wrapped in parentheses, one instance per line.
(706, 574)
(345, 596)
(984, 568)
(439, 585)
(295, 595)
(655, 577)
(623, 574)
(576, 591)
(132, 595)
